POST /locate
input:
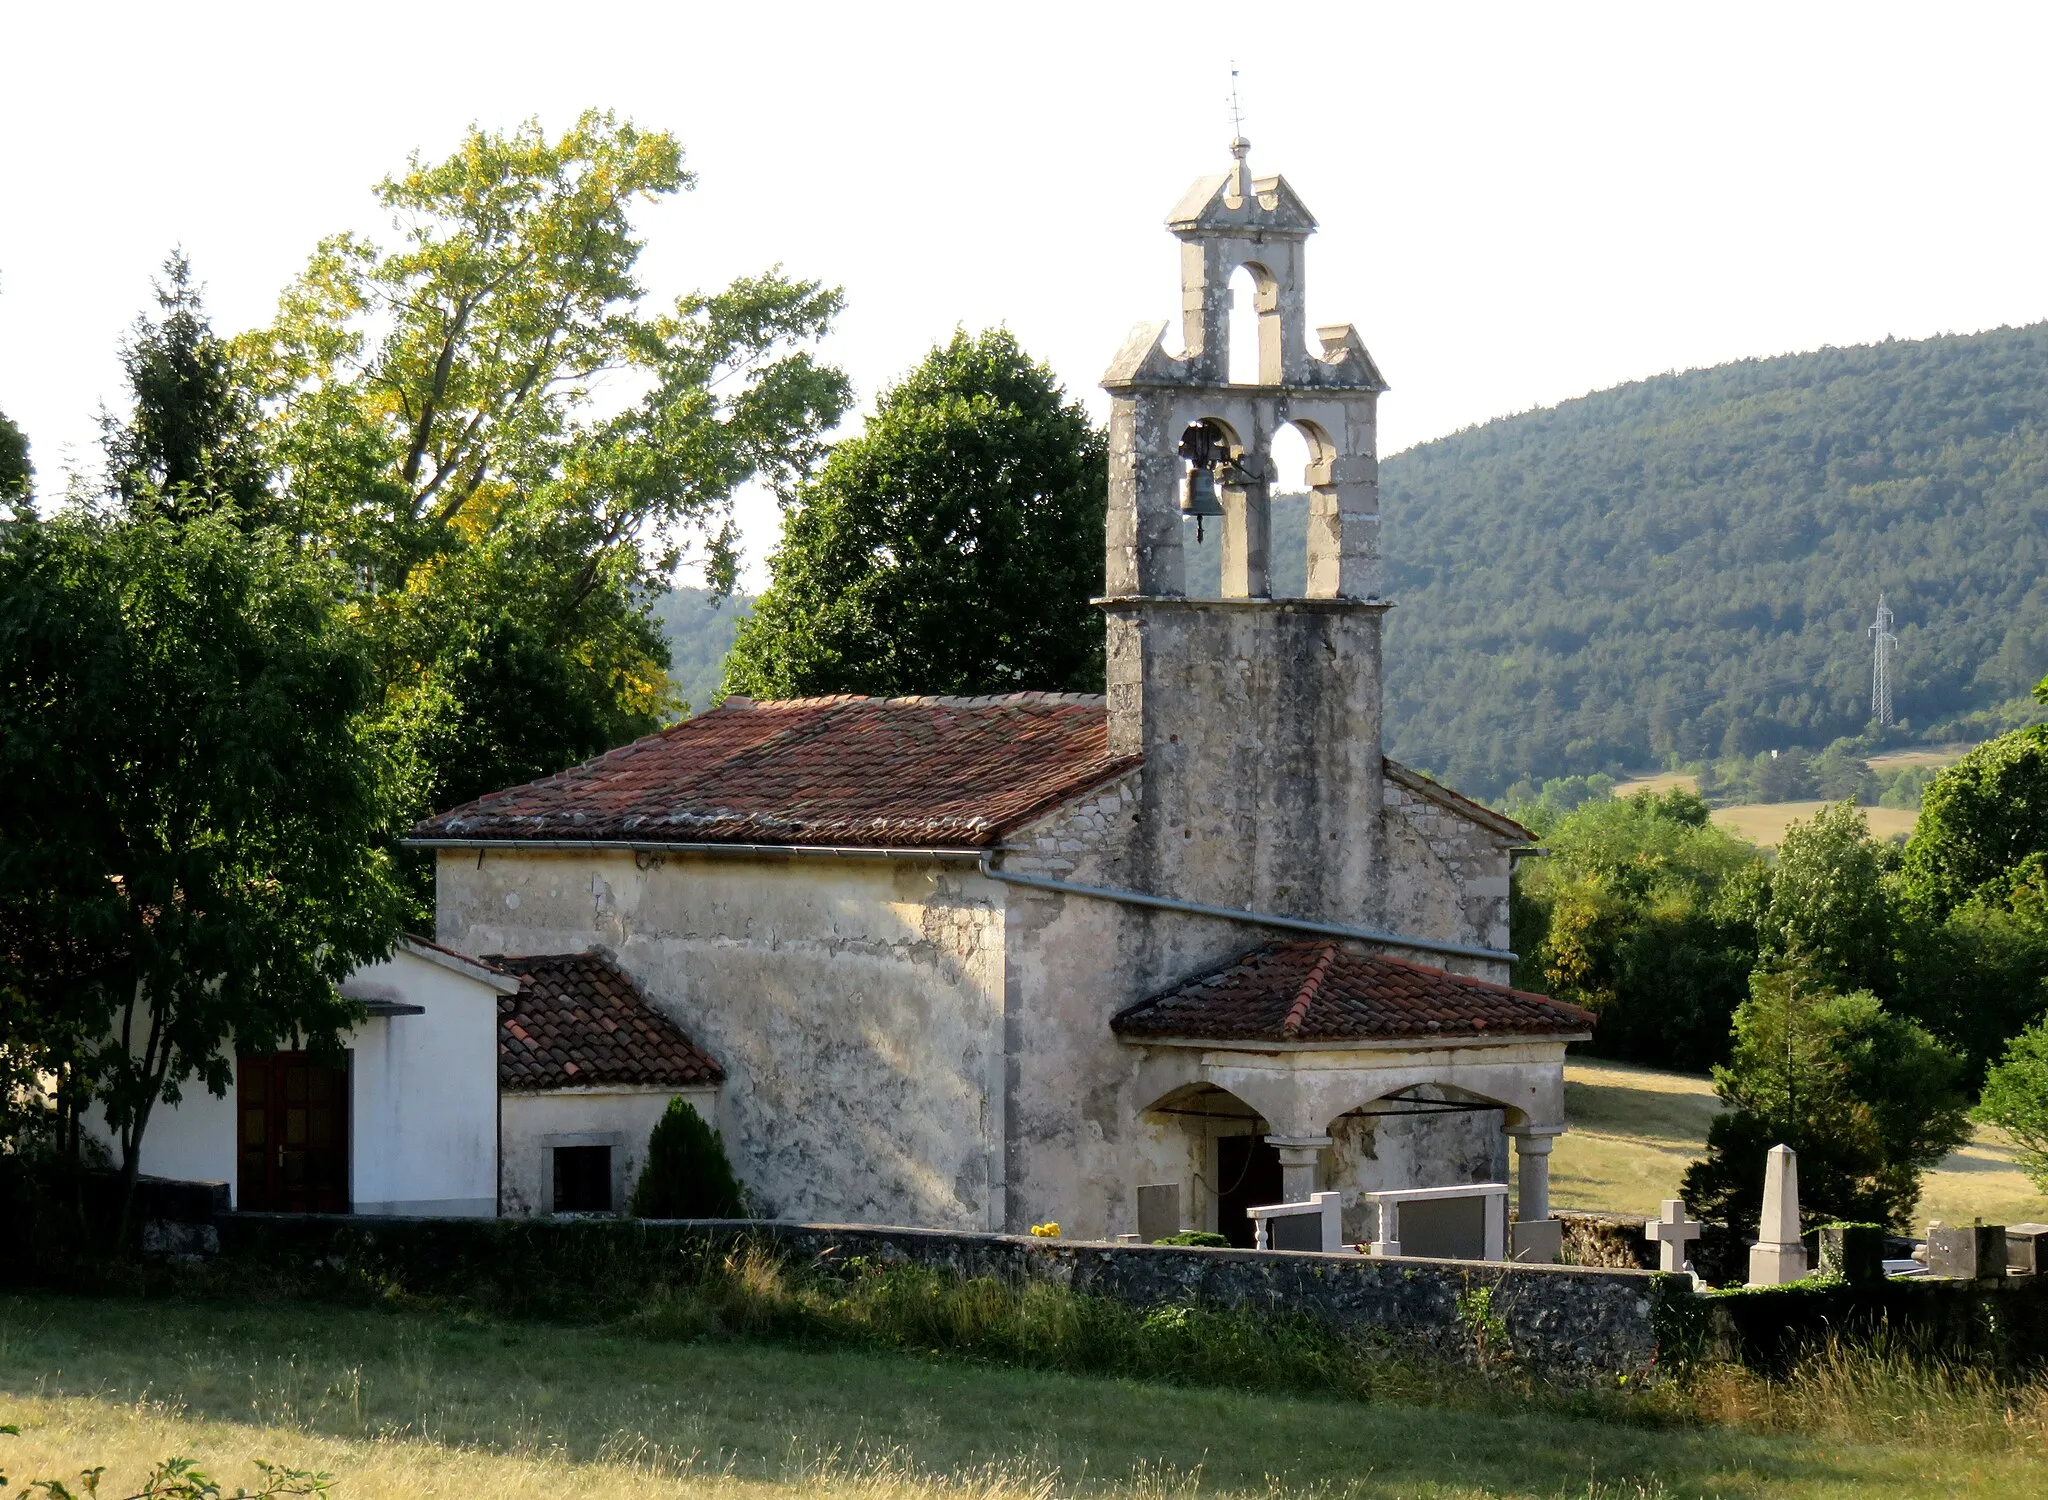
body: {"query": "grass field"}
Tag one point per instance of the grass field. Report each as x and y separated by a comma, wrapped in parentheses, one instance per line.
(409, 1405)
(1764, 823)
(1633, 1130)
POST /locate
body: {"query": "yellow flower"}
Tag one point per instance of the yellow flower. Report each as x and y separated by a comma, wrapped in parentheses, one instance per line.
(1046, 1231)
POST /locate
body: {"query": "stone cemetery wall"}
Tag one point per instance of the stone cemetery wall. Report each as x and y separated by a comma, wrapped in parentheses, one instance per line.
(1568, 1322)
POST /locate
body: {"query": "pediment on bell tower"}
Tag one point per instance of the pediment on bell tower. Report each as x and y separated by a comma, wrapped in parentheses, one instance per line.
(1214, 206)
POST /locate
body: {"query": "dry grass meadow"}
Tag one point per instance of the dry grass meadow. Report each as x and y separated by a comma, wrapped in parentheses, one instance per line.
(405, 1405)
(1633, 1130)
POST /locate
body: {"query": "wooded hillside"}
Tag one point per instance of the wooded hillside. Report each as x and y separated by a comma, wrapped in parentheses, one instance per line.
(1690, 563)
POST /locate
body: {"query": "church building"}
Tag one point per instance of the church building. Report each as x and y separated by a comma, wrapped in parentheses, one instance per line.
(1130, 963)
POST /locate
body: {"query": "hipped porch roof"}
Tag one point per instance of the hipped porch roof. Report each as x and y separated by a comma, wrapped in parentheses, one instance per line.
(1307, 992)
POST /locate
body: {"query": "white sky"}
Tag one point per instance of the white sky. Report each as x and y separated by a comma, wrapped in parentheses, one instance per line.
(1519, 203)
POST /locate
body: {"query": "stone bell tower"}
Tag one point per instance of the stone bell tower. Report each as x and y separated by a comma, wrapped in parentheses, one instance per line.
(1259, 718)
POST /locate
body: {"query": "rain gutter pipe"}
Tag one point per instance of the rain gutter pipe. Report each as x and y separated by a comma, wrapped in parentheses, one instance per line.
(1236, 914)
(986, 860)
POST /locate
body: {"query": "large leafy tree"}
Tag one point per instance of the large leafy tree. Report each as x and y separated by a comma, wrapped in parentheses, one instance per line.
(192, 822)
(1973, 933)
(2016, 1098)
(1980, 820)
(484, 423)
(1867, 1098)
(1644, 913)
(951, 548)
(1828, 911)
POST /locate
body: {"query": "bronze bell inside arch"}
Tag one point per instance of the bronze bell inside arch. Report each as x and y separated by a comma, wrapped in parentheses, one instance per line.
(1203, 447)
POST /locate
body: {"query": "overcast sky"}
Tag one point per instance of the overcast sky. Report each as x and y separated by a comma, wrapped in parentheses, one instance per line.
(1519, 203)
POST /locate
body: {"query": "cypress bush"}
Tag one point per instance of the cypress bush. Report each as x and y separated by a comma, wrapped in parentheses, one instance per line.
(686, 1175)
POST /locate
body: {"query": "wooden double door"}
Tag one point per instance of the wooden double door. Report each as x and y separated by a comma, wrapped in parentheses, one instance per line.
(294, 1133)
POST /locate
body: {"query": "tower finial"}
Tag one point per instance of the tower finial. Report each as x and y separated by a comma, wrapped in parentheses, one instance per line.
(1240, 174)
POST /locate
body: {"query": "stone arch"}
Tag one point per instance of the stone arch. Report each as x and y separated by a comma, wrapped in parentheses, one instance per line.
(1215, 1143)
(1424, 1131)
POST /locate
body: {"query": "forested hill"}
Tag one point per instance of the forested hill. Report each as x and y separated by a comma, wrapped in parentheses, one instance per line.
(1692, 562)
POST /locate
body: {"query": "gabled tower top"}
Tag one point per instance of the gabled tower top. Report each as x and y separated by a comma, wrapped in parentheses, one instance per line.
(1235, 202)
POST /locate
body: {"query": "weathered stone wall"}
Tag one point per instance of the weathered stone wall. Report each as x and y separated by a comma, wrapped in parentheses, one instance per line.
(1564, 1322)
(1447, 878)
(856, 1006)
(1259, 722)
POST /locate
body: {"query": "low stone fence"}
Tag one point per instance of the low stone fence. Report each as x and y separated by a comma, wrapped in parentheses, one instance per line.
(1569, 1322)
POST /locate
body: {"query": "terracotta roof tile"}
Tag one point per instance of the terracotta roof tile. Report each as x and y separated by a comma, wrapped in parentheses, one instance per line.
(579, 1020)
(1320, 992)
(904, 772)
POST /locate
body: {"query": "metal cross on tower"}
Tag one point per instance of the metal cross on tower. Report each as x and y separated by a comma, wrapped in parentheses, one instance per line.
(1236, 114)
(1883, 644)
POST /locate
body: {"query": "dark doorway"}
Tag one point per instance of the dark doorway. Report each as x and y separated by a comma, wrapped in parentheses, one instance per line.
(583, 1179)
(1247, 1176)
(293, 1134)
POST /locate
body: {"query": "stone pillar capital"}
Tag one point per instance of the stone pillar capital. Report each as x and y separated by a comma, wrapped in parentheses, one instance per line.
(1300, 1145)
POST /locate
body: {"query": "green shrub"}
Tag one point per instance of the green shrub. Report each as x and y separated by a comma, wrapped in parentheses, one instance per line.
(687, 1175)
(1195, 1237)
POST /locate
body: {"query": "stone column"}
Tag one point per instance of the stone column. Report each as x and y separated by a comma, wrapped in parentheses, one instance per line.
(1299, 1157)
(1532, 1169)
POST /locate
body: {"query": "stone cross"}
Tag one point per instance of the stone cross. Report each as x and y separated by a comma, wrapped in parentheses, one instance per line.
(1673, 1233)
(1778, 1257)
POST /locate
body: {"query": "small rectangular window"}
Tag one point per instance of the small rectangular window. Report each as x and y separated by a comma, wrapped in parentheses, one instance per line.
(583, 1179)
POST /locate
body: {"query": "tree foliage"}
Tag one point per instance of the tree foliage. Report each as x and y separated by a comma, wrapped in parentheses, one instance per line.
(1828, 912)
(951, 548)
(436, 407)
(191, 440)
(2016, 1099)
(1981, 821)
(17, 474)
(1687, 564)
(1867, 1098)
(191, 826)
(686, 1175)
(1644, 913)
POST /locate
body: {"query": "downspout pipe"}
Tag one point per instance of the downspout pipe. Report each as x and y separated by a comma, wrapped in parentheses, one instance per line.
(1236, 914)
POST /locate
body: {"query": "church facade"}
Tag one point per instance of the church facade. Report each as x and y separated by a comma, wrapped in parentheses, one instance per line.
(1130, 963)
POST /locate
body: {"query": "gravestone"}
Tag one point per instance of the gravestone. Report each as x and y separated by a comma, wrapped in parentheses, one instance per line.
(1317, 1224)
(2026, 1249)
(1158, 1211)
(1446, 1223)
(1966, 1252)
(1852, 1252)
(1778, 1258)
(1672, 1232)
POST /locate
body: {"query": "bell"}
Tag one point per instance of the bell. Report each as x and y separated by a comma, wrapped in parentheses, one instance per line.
(1198, 499)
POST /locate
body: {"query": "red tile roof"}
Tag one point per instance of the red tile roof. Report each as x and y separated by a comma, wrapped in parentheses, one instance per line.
(578, 1020)
(864, 772)
(1320, 992)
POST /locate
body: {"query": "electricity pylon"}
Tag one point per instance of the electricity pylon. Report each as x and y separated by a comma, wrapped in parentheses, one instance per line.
(1883, 644)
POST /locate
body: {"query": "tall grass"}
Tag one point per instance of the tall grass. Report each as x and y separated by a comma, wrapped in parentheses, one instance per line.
(749, 1292)
(1878, 1388)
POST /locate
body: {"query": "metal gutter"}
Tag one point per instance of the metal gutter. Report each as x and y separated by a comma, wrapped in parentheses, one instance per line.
(1236, 914)
(986, 859)
(656, 846)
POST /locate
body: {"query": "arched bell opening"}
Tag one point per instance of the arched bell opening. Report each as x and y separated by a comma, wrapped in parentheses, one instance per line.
(1217, 1142)
(1254, 327)
(1210, 451)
